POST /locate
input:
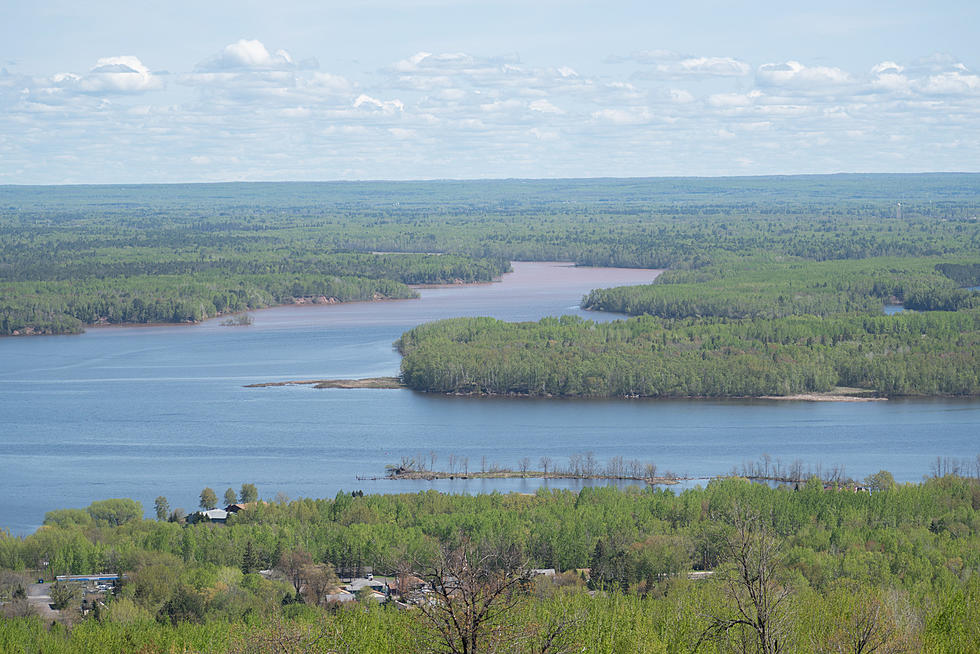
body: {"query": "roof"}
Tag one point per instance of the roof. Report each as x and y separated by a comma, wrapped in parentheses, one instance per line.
(216, 514)
(358, 584)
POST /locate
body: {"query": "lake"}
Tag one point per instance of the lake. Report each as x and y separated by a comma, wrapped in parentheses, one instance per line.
(146, 411)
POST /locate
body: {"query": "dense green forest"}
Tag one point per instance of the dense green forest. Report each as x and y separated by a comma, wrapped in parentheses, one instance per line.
(896, 565)
(103, 288)
(179, 253)
(759, 287)
(933, 353)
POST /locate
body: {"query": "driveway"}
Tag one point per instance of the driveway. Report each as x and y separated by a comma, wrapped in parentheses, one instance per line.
(39, 596)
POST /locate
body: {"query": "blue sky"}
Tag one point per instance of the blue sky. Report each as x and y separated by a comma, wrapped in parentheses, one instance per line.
(120, 92)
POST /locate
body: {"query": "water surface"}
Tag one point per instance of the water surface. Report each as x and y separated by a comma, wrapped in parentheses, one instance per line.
(146, 411)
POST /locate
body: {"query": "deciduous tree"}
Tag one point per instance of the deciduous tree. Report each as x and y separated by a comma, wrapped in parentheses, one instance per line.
(248, 493)
(758, 615)
(209, 499)
(162, 507)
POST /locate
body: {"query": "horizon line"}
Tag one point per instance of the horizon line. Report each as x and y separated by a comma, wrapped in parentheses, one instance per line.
(423, 180)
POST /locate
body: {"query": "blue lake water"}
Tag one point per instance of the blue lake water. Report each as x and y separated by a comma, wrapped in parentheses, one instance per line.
(146, 411)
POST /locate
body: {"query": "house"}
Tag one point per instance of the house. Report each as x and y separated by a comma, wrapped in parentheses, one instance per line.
(96, 578)
(243, 506)
(373, 584)
(219, 516)
(341, 597)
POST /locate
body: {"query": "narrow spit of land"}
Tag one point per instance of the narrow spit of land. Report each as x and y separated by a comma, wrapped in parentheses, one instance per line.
(369, 382)
(838, 394)
(430, 475)
(586, 467)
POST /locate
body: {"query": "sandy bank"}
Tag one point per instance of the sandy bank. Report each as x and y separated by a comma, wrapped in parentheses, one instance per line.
(370, 382)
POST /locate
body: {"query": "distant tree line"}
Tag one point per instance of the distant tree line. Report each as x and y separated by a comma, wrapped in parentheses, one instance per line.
(74, 256)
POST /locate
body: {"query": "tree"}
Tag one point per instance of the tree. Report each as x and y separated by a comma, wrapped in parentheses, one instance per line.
(185, 605)
(320, 580)
(545, 464)
(248, 494)
(64, 594)
(864, 625)
(757, 600)
(294, 564)
(115, 512)
(67, 518)
(880, 481)
(19, 607)
(162, 507)
(209, 499)
(250, 560)
(230, 497)
(474, 596)
(287, 637)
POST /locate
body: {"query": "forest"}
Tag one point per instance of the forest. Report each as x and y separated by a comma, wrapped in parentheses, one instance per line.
(733, 566)
(758, 287)
(76, 256)
(931, 353)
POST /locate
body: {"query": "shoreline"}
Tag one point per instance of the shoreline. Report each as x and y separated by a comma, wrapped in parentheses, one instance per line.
(286, 305)
(310, 301)
(367, 382)
(837, 395)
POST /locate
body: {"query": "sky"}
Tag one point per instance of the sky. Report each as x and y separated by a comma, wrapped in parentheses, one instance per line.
(106, 91)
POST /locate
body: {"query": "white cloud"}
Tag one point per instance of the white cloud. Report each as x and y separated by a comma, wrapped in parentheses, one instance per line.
(427, 62)
(681, 96)
(891, 82)
(453, 95)
(725, 100)
(795, 74)
(364, 101)
(628, 116)
(485, 115)
(544, 134)
(501, 105)
(124, 74)
(402, 133)
(329, 83)
(545, 107)
(412, 63)
(720, 66)
(886, 67)
(247, 55)
(296, 112)
(955, 82)
(667, 63)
